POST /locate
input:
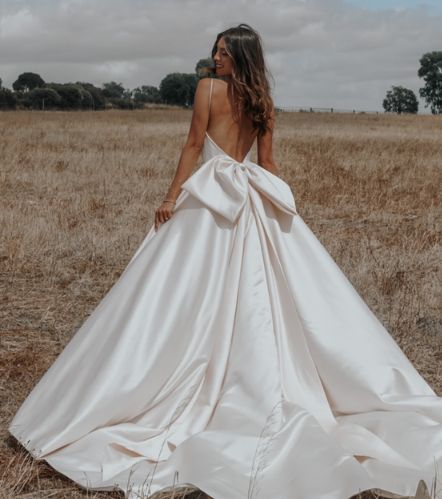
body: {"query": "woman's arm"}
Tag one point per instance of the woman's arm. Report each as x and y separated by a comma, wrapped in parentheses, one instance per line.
(190, 151)
(265, 155)
(195, 139)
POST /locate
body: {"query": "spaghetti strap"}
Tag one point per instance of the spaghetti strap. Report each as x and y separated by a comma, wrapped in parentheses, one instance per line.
(210, 93)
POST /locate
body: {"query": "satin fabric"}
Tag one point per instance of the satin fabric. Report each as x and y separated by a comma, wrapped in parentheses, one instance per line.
(234, 355)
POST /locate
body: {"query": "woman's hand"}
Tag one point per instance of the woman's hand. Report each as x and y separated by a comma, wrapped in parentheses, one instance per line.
(164, 212)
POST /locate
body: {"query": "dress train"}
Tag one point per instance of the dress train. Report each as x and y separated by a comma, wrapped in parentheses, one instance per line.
(233, 354)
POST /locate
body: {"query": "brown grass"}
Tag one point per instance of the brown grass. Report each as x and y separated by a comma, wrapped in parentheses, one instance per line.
(78, 193)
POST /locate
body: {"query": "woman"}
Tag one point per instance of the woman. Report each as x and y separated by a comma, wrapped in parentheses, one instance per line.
(232, 353)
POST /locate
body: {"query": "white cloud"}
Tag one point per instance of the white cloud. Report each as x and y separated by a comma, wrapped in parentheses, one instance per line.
(323, 53)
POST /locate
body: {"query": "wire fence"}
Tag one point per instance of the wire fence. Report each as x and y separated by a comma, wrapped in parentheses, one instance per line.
(324, 110)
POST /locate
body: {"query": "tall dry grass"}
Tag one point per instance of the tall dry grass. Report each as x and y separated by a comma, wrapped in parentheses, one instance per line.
(78, 193)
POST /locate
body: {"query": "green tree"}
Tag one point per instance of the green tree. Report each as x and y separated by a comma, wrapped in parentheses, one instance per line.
(70, 94)
(204, 67)
(42, 98)
(98, 100)
(400, 100)
(87, 101)
(113, 90)
(431, 71)
(178, 89)
(146, 93)
(8, 100)
(191, 82)
(27, 82)
(118, 96)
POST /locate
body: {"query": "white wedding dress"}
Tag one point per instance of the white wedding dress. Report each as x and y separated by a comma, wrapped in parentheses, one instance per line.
(234, 355)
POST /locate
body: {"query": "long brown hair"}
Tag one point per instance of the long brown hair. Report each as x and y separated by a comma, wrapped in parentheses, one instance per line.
(249, 80)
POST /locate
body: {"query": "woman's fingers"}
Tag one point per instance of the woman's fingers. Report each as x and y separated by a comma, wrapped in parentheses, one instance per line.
(162, 215)
(166, 215)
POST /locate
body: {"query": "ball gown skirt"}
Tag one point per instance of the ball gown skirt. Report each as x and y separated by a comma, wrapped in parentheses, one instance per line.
(234, 355)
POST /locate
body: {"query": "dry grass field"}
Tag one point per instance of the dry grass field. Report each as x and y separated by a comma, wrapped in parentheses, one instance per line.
(78, 192)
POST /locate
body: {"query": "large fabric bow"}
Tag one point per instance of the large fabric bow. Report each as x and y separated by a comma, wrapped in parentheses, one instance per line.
(222, 184)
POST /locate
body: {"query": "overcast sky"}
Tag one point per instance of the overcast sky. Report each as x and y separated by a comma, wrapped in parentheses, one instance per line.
(322, 53)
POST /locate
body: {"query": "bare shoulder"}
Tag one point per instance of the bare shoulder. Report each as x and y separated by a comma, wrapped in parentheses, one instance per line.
(201, 97)
(202, 91)
(204, 83)
(202, 88)
(218, 85)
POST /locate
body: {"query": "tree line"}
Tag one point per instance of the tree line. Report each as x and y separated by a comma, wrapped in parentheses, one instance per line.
(403, 100)
(30, 91)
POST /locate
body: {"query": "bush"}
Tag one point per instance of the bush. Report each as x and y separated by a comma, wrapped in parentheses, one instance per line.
(42, 98)
(98, 99)
(70, 95)
(8, 100)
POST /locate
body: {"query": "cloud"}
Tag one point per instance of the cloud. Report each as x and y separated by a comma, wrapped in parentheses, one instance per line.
(323, 53)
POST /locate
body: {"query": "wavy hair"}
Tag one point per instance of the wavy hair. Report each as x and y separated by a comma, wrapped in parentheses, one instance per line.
(250, 75)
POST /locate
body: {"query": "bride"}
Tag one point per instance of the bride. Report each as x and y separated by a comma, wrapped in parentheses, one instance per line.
(232, 353)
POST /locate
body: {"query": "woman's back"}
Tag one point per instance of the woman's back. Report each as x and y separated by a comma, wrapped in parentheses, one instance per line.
(234, 138)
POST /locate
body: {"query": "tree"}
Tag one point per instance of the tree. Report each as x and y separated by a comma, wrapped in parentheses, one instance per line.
(431, 71)
(42, 98)
(204, 67)
(178, 89)
(191, 81)
(87, 101)
(113, 90)
(98, 99)
(146, 93)
(8, 100)
(118, 96)
(400, 100)
(27, 82)
(70, 94)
